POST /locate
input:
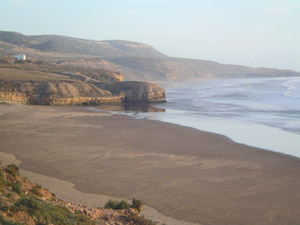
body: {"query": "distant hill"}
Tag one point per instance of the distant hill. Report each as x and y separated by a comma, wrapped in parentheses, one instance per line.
(62, 44)
(179, 69)
(136, 60)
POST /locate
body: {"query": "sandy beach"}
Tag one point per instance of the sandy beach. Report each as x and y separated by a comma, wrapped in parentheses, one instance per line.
(181, 172)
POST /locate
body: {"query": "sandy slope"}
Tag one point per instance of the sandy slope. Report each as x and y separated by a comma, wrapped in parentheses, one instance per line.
(181, 172)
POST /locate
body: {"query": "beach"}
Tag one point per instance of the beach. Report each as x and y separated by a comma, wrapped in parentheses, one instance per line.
(181, 172)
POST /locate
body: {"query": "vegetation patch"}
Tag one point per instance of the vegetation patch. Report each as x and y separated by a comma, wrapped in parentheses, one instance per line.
(47, 213)
(22, 202)
(115, 204)
(12, 169)
(3, 221)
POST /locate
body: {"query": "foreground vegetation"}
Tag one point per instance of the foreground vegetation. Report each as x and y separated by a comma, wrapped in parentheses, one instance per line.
(22, 202)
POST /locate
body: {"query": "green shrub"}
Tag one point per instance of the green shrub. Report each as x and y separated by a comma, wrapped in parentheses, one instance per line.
(17, 187)
(27, 204)
(123, 205)
(9, 195)
(137, 204)
(111, 204)
(2, 179)
(36, 190)
(46, 213)
(12, 169)
(4, 208)
(115, 204)
(3, 221)
(83, 220)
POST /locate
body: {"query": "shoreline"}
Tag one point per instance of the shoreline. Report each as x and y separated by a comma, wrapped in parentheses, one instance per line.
(263, 128)
(123, 157)
(131, 114)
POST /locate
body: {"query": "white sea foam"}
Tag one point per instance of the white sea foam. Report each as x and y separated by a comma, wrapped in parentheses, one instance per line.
(293, 88)
(261, 112)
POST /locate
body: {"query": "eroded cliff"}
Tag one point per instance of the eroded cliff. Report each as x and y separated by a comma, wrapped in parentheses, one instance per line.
(135, 92)
(70, 83)
(79, 92)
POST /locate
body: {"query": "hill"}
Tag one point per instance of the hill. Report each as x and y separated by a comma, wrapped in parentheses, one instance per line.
(136, 60)
(62, 44)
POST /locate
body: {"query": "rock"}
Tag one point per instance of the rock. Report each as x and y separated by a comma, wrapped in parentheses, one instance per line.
(136, 92)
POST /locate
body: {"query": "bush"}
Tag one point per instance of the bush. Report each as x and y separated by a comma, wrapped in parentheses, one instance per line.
(4, 208)
(2, 179)
(9, 195)
(27, 204)
(3, 221)
(46, 213)
(36, 190)
(83, 220)
(12, 169)
(137, 204)
(17, 187)
(115, 204)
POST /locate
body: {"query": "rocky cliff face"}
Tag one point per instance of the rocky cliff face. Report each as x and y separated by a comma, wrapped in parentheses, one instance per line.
(79, 93)
(135, 92)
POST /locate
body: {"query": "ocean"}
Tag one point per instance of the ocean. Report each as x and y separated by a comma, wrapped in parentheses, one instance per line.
(259, 112)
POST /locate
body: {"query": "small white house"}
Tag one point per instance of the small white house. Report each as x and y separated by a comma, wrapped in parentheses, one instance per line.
(20, 57)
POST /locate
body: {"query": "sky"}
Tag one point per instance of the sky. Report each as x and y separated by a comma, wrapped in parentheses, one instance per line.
(257, 33)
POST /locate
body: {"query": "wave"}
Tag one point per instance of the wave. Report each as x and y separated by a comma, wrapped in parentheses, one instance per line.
(293, 88)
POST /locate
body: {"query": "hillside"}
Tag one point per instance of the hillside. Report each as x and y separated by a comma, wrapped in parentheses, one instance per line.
(136, 61)
(61, 44)
(23, 202)
(178, 69)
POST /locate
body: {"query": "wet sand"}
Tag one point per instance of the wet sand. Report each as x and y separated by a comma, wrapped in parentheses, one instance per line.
(182, 172)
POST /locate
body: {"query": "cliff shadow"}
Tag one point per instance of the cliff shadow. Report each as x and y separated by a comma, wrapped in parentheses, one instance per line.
(132, 108)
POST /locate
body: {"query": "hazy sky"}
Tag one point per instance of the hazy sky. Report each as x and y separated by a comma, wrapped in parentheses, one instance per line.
(259, 33)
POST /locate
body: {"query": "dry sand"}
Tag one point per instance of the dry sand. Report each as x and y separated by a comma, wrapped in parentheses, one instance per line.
(182, 172)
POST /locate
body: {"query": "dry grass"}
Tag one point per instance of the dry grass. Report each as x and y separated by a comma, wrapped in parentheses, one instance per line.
(9, 74)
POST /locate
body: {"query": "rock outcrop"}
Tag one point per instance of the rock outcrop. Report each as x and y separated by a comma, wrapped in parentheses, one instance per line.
(79, 92)
(135, 92)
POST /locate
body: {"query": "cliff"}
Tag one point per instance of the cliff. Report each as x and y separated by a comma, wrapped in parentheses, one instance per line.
(70, 83)
(79, 92)
(135, 92)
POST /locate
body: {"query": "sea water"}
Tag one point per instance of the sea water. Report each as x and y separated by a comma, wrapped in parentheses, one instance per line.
(260, 112)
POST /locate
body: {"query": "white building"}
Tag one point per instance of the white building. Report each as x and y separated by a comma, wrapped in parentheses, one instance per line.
(20, 57)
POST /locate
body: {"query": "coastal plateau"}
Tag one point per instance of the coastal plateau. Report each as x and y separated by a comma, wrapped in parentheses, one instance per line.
(44, 83)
